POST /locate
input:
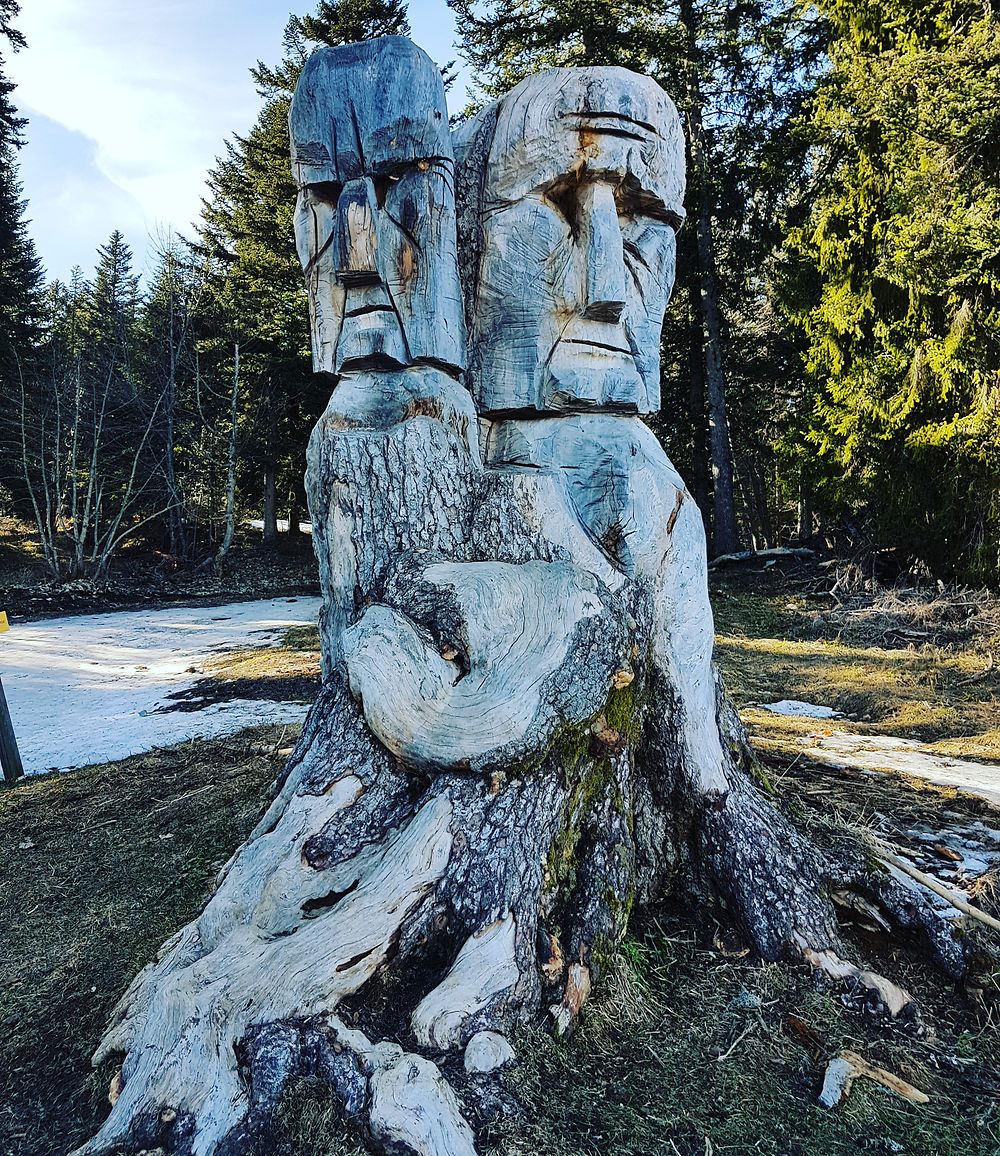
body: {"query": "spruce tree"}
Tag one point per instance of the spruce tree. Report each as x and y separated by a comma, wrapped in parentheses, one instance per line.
(893, 275)
(20, 271)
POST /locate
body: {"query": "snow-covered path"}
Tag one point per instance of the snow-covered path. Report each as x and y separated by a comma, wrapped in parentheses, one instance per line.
(85, 689)
(907, 757)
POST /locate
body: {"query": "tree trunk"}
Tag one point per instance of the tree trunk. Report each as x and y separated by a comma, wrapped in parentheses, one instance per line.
(699, 455)
(270, 515)
(753, 483)
(176, 530)
(297, 504)
(230, 531)
(725, 536)
(519, 738)
(804, 528)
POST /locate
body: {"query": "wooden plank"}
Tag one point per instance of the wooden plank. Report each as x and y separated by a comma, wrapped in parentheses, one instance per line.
(10, 756)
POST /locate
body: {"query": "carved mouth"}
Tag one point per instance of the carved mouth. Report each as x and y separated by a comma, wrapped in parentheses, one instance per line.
(358, 278)
(363, 309)
(597, 345)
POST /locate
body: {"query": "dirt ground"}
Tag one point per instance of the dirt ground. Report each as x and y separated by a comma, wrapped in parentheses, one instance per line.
(688, 1049)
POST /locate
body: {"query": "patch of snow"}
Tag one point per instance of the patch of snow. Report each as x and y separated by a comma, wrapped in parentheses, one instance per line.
(85, 689)
(907, 756)
(791, 706)
(282, 524)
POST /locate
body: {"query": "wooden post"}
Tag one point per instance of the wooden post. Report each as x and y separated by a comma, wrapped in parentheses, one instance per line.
(10, 757)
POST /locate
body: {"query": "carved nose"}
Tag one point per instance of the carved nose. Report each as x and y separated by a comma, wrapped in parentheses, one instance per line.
(357, 210)
(600, 237)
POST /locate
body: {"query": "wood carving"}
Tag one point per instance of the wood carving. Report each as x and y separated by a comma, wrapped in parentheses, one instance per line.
(520, 734)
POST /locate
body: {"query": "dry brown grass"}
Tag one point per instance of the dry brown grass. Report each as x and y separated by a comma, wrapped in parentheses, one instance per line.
(98, 868)
(918, 664)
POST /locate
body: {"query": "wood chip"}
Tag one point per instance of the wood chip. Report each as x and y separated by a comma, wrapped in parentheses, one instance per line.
(844, 1069)
(944, 852)
(805, 1035)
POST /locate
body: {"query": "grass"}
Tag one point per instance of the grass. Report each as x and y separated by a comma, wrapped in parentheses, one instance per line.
(141, 575)
(938, 686)
(102, 865)
(97, 869)
(682, 1052)
(686, 1052)
(288, 672)
(20, 552)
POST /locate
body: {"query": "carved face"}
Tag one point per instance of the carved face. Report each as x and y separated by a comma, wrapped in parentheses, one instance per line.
(375, 216)
(581, 194)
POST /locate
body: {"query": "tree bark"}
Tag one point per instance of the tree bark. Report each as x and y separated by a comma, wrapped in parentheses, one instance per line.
(520, 736)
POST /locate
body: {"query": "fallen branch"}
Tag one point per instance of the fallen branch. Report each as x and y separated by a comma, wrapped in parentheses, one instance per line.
(844, 1069)
(771, 552)
(732, 1047)
(932, 884)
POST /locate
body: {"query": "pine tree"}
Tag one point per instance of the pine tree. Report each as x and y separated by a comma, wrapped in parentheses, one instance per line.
(20, 271)
(894, 277)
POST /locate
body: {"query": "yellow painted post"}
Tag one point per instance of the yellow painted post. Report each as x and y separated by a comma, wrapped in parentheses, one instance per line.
(10, 756)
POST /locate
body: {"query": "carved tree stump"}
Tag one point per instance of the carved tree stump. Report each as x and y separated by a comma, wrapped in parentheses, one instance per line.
(520, 735)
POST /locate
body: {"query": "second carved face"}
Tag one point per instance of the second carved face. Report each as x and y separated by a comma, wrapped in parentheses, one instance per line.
(573, 187)
(375, 216)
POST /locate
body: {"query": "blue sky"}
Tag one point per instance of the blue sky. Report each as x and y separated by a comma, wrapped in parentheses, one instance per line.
(130, 101)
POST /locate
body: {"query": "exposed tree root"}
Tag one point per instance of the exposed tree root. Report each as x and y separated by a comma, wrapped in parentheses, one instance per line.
(473, 905)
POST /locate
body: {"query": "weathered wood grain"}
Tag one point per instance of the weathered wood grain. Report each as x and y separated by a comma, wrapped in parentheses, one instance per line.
(481, 663)
(375, 217)
(485, 968)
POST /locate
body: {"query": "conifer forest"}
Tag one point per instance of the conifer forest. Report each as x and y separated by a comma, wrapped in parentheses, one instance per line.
(830, 356)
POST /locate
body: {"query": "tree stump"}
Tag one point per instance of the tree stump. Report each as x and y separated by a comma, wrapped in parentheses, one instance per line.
(520, 735)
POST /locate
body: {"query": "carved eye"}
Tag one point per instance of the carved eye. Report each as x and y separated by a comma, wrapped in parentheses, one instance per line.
(326, 191)
(383, 183)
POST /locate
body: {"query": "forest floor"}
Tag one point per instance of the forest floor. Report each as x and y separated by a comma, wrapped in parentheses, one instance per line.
(144, 578)
(688, 1048)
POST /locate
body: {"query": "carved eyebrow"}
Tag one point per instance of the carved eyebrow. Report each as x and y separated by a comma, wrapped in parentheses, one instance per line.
(608, 114)
(651, 205)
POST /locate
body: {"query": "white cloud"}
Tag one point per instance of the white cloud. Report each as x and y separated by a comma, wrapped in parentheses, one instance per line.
(72, 205)
(156, 86)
